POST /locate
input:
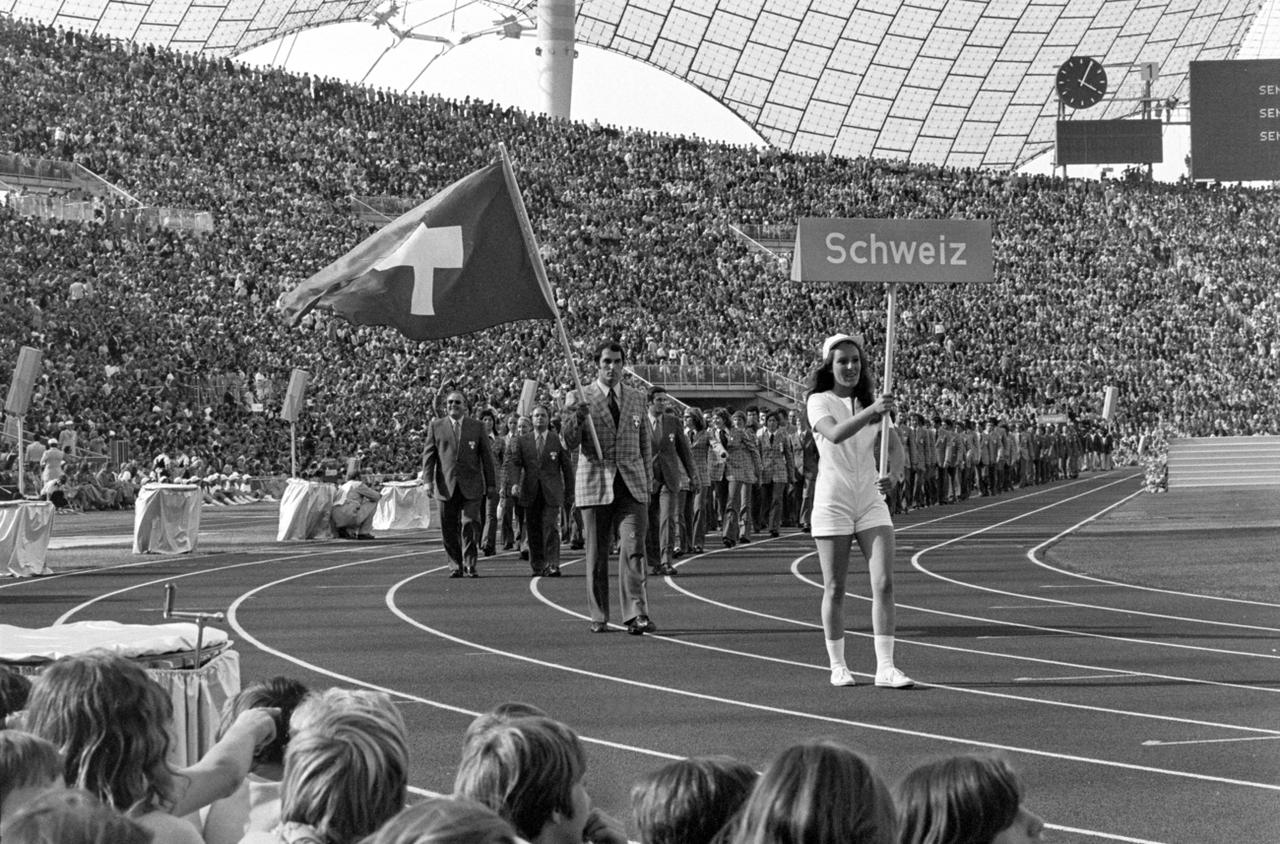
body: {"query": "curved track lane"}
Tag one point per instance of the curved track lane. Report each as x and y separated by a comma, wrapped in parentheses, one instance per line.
(1135, 713)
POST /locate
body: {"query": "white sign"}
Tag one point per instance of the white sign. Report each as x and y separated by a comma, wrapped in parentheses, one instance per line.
(923, 251)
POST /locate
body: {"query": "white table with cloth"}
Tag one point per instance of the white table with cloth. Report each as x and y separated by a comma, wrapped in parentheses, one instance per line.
(305, 510)
(405, 505)
(166, 519)
(165, 651)
(25, 528)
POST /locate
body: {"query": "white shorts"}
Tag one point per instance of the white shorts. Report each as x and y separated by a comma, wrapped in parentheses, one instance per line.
(842, 518)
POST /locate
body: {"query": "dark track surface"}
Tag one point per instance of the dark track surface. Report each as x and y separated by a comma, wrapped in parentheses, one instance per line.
(1134, 714)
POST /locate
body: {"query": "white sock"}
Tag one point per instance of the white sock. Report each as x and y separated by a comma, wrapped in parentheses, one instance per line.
(835, 652)
(884, 652)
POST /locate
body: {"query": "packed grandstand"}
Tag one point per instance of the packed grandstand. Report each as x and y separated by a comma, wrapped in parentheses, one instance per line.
(162, 339)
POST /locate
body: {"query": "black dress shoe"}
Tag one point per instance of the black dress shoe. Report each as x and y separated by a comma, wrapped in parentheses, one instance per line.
(553, 571)
(668, 570)
(456, 573)
(599, 627)
(728, 543)
(471, 572)
(365, 536)
(640, 625)
(773, 533)
(524, 555)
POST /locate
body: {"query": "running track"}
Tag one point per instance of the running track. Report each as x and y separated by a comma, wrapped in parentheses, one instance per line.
(1135, 714)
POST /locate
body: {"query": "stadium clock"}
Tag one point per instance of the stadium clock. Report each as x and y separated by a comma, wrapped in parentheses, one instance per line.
(1082, 82)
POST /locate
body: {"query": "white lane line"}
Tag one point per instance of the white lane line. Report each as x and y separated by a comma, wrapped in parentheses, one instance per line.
(62, 619)
(795, 569)
(1158, 743)
(804, 716)
(916, 564)
(1034, 556)
(1078, 677)
(951, 648)
(233, 620)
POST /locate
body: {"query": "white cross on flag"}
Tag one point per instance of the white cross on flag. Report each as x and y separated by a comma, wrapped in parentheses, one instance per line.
(455, 264)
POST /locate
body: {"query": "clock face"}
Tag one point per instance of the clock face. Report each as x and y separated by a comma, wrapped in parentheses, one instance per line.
(1082, 82)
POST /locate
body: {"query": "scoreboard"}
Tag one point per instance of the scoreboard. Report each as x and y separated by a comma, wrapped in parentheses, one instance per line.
(1235, 120)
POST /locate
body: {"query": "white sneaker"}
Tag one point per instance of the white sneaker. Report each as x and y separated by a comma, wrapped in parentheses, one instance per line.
(892, 678)
(841, 676)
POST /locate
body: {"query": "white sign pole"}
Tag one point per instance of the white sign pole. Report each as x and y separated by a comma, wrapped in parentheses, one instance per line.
(22, 464)
(890, 332)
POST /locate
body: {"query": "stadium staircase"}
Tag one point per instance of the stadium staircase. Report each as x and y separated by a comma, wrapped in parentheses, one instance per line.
(64, 190)
(1223, 462)
(731, 386)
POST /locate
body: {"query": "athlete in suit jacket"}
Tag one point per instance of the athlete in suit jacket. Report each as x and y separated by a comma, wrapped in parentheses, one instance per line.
(612, 487)
(540, 474)
(671, 454)
(458, 470)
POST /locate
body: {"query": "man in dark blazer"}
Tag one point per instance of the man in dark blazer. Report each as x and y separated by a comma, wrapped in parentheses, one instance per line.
(458, 470)
(540, 475)
(612, 486)
(671, 451)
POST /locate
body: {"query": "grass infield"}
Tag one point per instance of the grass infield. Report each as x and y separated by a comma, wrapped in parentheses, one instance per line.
(1223, 542)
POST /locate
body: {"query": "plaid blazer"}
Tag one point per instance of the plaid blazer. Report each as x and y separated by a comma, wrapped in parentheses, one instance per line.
(775, 457)
(744, 456)
(628, 447)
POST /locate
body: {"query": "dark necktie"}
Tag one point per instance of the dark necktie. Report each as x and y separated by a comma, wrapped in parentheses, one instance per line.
(614, 410)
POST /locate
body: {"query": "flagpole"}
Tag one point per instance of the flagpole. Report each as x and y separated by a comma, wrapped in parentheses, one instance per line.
(540, 272)
(889, 337)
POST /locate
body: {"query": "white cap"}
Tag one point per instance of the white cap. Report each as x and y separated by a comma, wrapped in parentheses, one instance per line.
(836, 339)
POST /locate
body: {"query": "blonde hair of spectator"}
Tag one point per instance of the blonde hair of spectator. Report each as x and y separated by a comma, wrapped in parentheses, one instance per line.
(524, 769)
(26, 761)
(817, 792)
(445, 820)
(108, 720)
(345, 771)
(690, 800)
(500, 714)
(962, 799)
(72, 816)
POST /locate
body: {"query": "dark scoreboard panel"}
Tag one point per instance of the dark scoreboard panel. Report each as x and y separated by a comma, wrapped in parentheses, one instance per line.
(1235, 120)
(1110, 142)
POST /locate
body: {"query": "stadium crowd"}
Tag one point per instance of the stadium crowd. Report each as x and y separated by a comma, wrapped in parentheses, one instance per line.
(165, 342)
(84, 760)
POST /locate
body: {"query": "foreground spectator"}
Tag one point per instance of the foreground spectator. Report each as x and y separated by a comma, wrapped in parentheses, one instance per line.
(965, 799)
(530, 771)
(110, 723)
(73, 817)
(445, 820)
(29, 766)
(816, 792)
(689, 801)
(255, 806)
(345, 771)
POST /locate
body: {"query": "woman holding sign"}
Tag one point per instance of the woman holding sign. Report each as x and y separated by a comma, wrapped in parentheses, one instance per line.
(849, 502)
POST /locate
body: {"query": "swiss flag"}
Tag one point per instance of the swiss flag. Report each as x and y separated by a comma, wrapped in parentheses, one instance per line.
(453, 265)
